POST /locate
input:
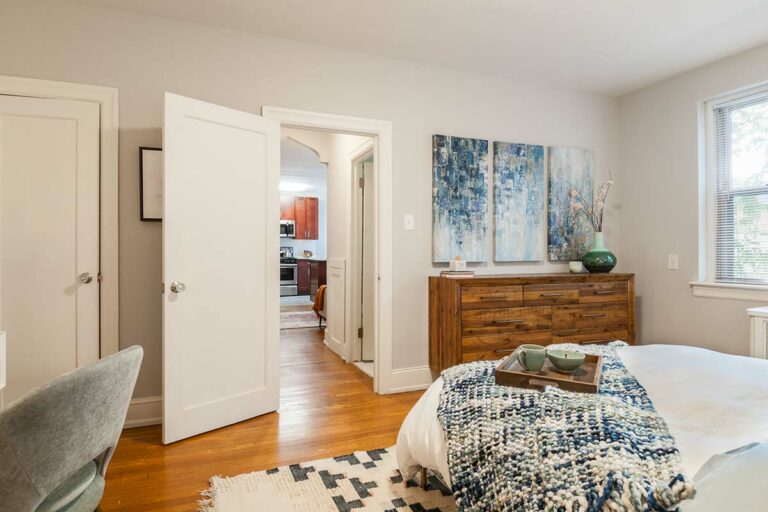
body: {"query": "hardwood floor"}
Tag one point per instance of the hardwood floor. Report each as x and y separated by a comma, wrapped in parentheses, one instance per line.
(327, 408)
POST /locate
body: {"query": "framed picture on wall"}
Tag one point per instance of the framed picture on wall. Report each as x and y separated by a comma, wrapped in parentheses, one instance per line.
(151, 183)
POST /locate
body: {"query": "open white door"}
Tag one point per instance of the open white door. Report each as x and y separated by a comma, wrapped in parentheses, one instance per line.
(220, 268)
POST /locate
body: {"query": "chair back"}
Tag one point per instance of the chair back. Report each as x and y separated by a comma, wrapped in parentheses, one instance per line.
(50, 433)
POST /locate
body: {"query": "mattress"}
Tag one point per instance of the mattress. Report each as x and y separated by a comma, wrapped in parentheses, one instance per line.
(712, 403)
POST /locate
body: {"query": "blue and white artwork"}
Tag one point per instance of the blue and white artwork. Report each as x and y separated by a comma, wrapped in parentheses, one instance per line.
(459, 199)
(570, 233)
(518, 202)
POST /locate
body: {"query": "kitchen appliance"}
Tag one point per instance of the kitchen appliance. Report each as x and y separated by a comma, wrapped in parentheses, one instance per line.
(289, 276)
(286, 252)
(287, 229)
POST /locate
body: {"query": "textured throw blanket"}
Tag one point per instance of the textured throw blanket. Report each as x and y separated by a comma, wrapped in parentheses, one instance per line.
(511, 449)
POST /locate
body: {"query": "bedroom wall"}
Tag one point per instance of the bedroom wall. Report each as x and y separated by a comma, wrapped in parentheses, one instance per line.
(659, 209)
(144, 57)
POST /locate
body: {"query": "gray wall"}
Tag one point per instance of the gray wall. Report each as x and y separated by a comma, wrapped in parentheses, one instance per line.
(144, 57)
(659, 207)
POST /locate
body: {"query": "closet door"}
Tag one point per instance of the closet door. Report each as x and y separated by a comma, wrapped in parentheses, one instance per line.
(220, 268)
(49, 238)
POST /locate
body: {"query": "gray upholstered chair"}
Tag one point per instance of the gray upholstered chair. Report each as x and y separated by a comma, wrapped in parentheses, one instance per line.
(56, 442)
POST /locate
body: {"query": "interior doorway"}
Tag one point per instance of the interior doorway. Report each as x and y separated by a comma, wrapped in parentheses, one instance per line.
(363, 350)
(322, 186)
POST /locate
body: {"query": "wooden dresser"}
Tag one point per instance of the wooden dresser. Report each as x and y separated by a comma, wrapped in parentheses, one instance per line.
(487, 317)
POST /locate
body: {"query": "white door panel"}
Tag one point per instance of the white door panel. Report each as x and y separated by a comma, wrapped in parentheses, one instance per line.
(49, 234)
(368, 270)
(336, 297)
(221, 239)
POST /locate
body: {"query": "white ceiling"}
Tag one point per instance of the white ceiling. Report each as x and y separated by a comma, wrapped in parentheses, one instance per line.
(604, 46)
(300, 164)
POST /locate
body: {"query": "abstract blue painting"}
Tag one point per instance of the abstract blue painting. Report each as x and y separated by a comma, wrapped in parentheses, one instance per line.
(518, 202)
(459, 199)
(570, 233)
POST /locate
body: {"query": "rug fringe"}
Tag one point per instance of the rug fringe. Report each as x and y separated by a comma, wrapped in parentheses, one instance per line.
(208, 501)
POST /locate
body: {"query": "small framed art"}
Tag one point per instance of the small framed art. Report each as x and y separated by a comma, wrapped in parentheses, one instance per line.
(151, 183)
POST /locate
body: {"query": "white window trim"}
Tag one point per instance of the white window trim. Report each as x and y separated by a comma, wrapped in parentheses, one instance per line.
(706, 286)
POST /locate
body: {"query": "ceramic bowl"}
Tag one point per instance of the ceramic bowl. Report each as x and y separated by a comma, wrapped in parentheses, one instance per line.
(565, 360)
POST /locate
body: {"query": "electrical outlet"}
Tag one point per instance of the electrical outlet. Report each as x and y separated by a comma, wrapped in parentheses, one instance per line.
(408, 222)
(672, 261)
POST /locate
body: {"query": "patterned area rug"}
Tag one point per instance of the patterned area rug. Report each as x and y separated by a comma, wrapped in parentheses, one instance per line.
(359, 481)
(298, 319)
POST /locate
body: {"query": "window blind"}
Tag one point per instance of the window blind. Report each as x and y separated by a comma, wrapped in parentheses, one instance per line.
(741, 203)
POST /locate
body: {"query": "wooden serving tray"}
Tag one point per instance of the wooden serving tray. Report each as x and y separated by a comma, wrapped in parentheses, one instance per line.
(586, 379)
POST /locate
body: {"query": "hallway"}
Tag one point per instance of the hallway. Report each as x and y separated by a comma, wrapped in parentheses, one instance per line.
(327, 408)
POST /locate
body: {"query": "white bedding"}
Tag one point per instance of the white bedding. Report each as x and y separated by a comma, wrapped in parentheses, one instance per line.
(712, 403)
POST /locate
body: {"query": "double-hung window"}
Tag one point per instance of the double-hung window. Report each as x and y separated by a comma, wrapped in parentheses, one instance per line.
(736, 154)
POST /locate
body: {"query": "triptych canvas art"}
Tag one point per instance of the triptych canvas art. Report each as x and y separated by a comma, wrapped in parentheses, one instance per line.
(460, 197)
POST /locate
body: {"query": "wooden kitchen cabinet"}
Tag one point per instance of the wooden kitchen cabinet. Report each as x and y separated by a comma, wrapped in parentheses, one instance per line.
(287, 211)
(311, 276)
(317, 277)
(306, 215)
(303, 278)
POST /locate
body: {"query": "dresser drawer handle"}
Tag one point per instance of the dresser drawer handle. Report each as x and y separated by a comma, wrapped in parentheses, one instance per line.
(516, 321)
(593, 315)
(605, 292)
(552, 294)
(505, 350)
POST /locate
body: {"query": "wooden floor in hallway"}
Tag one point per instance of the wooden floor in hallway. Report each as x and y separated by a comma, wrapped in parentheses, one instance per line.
(327, 408)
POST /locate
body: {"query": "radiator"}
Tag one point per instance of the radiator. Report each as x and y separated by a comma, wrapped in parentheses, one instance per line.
(758, 319)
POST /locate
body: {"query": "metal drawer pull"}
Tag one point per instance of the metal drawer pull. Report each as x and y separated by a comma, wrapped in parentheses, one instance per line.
(551, 294)
(593, 315)
(508, 321)
(505, 350)
(605, 292)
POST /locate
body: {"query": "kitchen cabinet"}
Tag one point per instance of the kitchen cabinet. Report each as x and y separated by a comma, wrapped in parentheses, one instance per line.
(287, 211)
(317, 277)
(303, 277)
(306, 216)
(311, 276)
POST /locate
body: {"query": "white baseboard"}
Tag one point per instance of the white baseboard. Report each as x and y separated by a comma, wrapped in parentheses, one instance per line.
(410, 379)
(144, 411)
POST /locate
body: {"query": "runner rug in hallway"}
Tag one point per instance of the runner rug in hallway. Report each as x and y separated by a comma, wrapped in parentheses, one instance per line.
(367, 481)
(298, 319)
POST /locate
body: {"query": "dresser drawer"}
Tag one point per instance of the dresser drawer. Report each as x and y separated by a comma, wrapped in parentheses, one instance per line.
(600, 334)
(505, 320)
(545, 294)
(589, 315)
(615, 291)
(479, 297)
(494, 346)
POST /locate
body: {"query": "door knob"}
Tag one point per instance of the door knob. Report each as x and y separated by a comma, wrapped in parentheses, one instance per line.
(85, 277)
(178, 287)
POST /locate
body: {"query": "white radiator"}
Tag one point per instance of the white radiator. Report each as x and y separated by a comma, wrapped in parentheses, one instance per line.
(758, 320)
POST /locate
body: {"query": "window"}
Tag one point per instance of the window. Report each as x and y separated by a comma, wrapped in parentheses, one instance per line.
(738, 136)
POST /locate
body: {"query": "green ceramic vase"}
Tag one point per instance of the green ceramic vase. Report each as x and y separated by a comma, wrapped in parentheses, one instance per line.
(599, 259)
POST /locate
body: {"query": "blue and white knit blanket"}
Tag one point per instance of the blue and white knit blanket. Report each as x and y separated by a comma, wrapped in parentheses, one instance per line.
(511, 449)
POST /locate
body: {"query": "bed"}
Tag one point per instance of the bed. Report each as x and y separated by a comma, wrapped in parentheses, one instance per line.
(711, 402)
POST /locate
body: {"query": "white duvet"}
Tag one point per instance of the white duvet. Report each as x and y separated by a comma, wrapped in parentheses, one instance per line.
(712, 403)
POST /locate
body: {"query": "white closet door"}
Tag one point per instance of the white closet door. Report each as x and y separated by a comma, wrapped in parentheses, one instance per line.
(369, 264)
(49, 237)
(221, 267)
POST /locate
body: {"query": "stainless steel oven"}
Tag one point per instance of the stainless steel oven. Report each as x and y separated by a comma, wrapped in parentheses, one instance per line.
(287, 229)
(289, 276)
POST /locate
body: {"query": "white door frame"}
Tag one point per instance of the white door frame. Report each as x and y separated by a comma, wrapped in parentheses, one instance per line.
(357, 156)
(381, 131)
(107, 99)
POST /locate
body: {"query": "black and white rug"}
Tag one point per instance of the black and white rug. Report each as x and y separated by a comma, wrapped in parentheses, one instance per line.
(360, 481)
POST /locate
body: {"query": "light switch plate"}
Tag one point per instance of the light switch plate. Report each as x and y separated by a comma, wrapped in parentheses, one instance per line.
(672, 261)
(408, 222)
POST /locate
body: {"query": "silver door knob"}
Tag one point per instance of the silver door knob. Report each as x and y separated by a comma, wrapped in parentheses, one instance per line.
(178, 287)
(85, 277)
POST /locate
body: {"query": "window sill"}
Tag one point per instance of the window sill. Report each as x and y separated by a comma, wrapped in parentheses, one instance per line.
(712, 290)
